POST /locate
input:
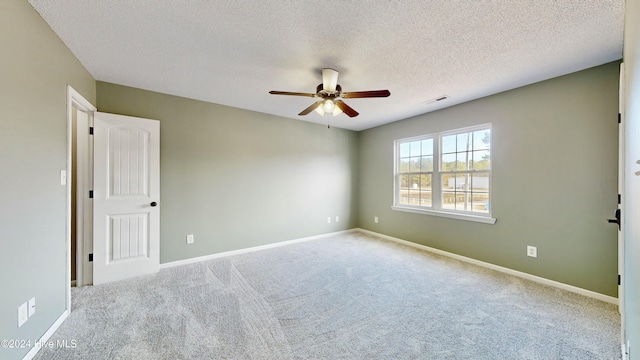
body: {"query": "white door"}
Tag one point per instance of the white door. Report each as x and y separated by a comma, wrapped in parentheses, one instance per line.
(623, 206)
(622, 212)
(126, 197)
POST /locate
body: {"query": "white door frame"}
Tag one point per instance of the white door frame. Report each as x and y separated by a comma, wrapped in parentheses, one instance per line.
(83, 174)
(73, 99)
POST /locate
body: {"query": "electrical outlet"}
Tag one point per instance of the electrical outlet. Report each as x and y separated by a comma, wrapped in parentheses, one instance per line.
(32, 307)
(375, 219)
(337, 218)
(532, 251)
(190, 239)
(329, 220)
(23, 314)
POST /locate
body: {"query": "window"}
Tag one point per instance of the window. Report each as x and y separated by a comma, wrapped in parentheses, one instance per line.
(415, 172)
(445, 174)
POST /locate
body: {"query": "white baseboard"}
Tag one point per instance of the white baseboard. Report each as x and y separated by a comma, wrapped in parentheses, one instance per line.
(541, 280)
(251, 249)
(34, 350)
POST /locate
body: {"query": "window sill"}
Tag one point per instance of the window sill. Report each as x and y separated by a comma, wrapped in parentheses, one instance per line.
(450, 215)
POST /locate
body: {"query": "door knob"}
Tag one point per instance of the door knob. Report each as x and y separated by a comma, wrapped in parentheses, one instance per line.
(153, 204)
(617, 219)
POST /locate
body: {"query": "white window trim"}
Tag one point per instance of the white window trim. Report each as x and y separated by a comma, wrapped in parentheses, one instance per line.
(446, 214)
(458, 215)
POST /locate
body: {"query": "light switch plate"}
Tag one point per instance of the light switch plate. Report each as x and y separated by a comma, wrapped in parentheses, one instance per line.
(23, 314)
(63, 177)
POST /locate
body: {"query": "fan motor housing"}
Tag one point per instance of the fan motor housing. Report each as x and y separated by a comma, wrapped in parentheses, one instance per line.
(326, 94)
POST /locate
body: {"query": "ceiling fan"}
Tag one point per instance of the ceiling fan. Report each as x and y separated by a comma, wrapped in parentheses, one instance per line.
(331, 94)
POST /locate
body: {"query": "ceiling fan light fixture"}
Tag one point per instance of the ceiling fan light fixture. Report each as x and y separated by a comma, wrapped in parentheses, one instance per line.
(328, 106)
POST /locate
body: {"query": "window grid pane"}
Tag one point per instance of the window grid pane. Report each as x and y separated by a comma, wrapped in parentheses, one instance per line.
(415, 169)
(466, 191)
(464, 165)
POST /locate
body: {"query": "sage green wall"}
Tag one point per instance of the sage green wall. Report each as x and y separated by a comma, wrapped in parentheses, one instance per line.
(554, 180)
(631, 211)
(236, 178)
(35, 70)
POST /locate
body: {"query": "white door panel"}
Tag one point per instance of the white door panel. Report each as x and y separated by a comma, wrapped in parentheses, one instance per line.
(126, 195)
(623, 205)
(622, 202)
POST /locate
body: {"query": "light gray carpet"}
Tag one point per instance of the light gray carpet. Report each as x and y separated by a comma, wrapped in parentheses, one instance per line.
(351, 296)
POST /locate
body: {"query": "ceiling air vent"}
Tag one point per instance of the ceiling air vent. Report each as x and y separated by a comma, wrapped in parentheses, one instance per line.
(443, 97)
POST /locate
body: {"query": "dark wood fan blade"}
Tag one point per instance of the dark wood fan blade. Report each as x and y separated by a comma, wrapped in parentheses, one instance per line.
(346, 108)
(311, 108)
(273, 92)
(366, 94)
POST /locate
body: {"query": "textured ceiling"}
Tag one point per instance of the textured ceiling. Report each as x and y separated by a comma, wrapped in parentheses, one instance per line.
(234, 52)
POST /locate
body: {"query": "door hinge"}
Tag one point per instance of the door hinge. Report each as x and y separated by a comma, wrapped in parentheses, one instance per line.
(619, 118)
(619, 199)
(90, 194)
(90, 257)
(619, 280)
(91, 130)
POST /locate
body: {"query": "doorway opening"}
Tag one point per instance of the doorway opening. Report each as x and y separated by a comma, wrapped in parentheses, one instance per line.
(79, 167)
